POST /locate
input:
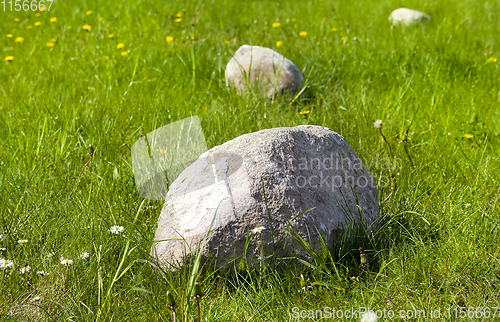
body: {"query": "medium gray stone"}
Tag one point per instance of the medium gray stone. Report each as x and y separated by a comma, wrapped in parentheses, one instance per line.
(408, 17)
(300, 168)
(263, 67)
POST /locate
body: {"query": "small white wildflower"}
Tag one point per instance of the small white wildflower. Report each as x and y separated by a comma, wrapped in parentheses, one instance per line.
(378, 124)
(66, 262)
(1, 237)
(369, 316)
(22, 241)
(258, 230)
(116, 229)
(50, 255)
(83, 255)
(303, 284)
(467, 205)
(43, 273)
(36, 298)
(25, 269)
(3, 249)
(4, 263)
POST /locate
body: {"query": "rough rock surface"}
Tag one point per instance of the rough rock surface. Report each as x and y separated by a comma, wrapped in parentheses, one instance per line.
(408, 17)
(300, 168)
(263, 67)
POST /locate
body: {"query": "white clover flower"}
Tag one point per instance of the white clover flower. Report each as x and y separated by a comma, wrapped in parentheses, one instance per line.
(22, 241)
(36, 298)
(369, 316)
(378, 124)
(66, 262)
(116, 229)
(83, 255)
(25, 269)
(4, 263)
(258, 230)
(43, 273)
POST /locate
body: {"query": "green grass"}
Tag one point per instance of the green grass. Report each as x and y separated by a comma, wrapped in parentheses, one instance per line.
(439, 246)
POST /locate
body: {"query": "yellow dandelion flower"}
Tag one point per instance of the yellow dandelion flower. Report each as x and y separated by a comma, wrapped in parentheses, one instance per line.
(124, 53)
(153, 21)
(227, 42)
(9, 58)
(53, 19)
(120, 45)
(110, 36)
(86, 27)
(343, 38)
(19, 39)
(89, 12)
(169, 38)
(304, 112)
(53, 40)
(9, 35)
(106, 57)
(303, 33)
(69, 27)
(16, 19)
(42, 8)
(468, 136)
(178, 20)
(491, 60)
(101, 18)
(38, 24)
(279, 43)
(276, 25)
(192, 36)
(178, 15)
(293, 19)
(37, 15)
(29, 27)
(334, 29)
(50, 44)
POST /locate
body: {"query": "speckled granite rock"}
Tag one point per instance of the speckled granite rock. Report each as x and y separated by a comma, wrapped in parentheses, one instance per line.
(407, 17)
(300, 168)
(264, 68)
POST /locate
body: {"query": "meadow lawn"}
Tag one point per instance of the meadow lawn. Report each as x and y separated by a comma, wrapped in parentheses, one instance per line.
(100, 73)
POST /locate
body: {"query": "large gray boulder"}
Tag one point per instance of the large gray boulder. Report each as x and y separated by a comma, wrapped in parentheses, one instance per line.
(269, 71)
(407, 17)
(299, 168)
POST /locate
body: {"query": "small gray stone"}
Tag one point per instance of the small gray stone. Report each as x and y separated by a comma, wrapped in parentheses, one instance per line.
(300, 168)
(263, 67)
(407, 17)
